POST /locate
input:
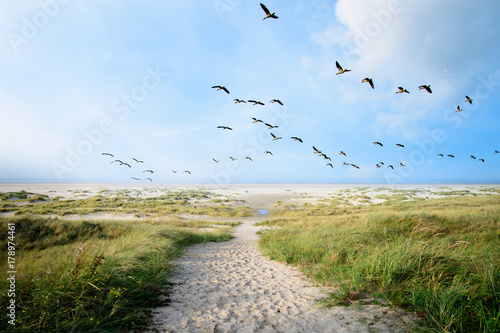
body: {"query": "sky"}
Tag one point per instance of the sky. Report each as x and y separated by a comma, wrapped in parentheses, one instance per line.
(134, 79)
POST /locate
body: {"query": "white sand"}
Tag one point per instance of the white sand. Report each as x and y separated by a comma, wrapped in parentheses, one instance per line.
(231, 287)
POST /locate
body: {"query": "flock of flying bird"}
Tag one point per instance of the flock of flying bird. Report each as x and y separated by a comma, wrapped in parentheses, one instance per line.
(316, 151)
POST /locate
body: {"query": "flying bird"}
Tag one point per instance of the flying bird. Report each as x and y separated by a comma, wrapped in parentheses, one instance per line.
(119, 161)
(232, 158)
(381, 163)
(268, 152)
(135, 178)
(342, 153)
(440, 155)
(341, 70)
(297, 139)
(174, 171)
(401, 164)
(472, 157)
(345, 163)
(187, 171)
(150, 171)
(149, 179)
(390, 166)
(225, 128)
(255, 120)
(316, 151)
(458, 109)
(137, 161)
(108, 154)
(255, 102)
(268, 13)
(325, 157)
(249, 158)
(126, 164)
(452, 156)
(481, 159)
(378, 143)
(238, 101)
(276, 101)
(216, 161)
(402, 90)
(221, 87)
(329, 164)
(468, 99)
(400, 145)
(275, 138)
(370, 81)
(426, 87)
(378, 165)
(355, 166)
(270, 126)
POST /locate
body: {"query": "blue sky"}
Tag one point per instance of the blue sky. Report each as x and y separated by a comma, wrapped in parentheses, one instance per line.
(79, 78)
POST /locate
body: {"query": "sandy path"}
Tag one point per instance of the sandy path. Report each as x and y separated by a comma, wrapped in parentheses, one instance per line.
(231, 287)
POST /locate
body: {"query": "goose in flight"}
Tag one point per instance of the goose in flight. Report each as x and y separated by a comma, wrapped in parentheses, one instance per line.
(149, 171)
(174, 171)
(355, 166)
(341, 70)
(268, 13)
(381, 163)
(255, 120)
(149, 179)
(275, 138)
(472, 157)
(401, 164)
(187, 171)
(402, 90)
(400, 145)
(232, 158)
(426, 87)
(270, 126)
(378, 143)
(119, 161)
(481, 159)
(458, 109)
(255, 102)
(378, 165)
(225, 128)
(345, 163)
(268, 152)
(329, 164)
(468, 99)
(325, 157)
(297, 139)
(276, 101)
(440, 155)
(126, 164)
(370, 81)
(342, 153)
(249, 158)
(452, 156)
(108, 154)
(135, 178)
(137, 161)
(216, 161)
(238, 101)
(390, 166)
(221, 87)
(316, 151)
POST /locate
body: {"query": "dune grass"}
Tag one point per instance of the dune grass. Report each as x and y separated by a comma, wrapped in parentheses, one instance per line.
(99, 276)
(438, 258)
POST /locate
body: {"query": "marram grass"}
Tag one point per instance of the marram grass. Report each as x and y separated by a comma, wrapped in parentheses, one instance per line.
(99, 276)
(438, 258)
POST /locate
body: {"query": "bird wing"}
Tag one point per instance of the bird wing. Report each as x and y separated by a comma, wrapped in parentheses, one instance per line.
(273, 135)
(428, 89)
(279, 102)
(216, 87)
(225, 89)
(265, 9)
(371, 83)
(252, 101)
(338, 65)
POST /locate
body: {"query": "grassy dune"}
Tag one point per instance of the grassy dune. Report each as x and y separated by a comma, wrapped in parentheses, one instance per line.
(98, 276)
(439, 258)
